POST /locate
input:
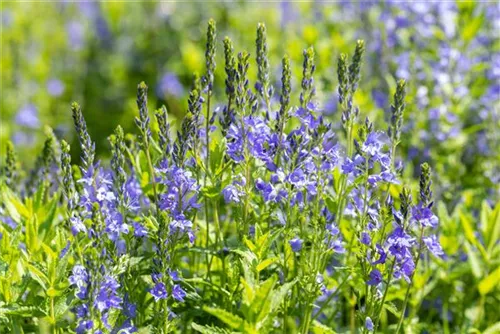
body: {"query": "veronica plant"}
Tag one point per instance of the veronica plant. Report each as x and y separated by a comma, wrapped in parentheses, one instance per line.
(254, 218)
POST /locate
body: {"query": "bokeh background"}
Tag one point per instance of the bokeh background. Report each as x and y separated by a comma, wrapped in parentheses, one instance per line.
(97, 52)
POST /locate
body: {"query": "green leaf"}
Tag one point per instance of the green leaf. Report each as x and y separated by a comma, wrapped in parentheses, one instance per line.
(493, 329)
(261, 302)
(493, 231)
(473, 260)
(280, 294)
(472, 27)
(20, 310)
(392, 308)
(206, 329)
(233, 321)
(470, 235)
(489, 282)
(16, 209)
(38, 276)
(319, 328)
(266, 263)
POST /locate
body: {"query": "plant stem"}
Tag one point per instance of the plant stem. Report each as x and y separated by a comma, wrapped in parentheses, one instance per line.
(407, 296)
(389, 278)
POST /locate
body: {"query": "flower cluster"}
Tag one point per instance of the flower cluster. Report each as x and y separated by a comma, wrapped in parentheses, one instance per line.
(265, 205)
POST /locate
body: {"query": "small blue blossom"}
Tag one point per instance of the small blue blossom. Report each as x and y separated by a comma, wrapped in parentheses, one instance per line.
(433, 245)
(296, 244)
(159, 291)
(375, 277)
(178, 293)
(369, 324)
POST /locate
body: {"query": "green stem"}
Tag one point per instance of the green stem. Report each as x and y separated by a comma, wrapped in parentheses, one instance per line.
(407, 296)
(53, 316)
(389, 278)
(207, 167)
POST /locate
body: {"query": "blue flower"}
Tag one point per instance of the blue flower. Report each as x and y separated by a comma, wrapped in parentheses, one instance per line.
(28, 116)
(296, 244)
(232, 194)
(433, 245)
(80, 278)
(375, 278)
(365, 238)
(178, 293)
(169, 85)
(405, 269)
(107, 297)
(159, 292)
(400, 244)
(55, 87)
(139, 230)
(424, 216)
(369, 324)
(267, 190)
(297, 178)
(382, 255)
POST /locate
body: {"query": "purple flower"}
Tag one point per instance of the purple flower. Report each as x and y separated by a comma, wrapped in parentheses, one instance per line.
(375, 278)
(178, 293)
(424, 216)
(80, 278)
(382, 255)
(84, 326)
(174, 275)
(337, 246)
(55, 87)
(369, 324)
(169, 85)
(139, 230)
(158, 291)
(64, 251)
(267, 190)
(77, 225)
(373, 145)
(76, 34)
(28, 116)
(231, 194)
(365, 238)
(297, 178)
(405, 269)
(400, 244)
(107, 296)
(433, 245)
(296, 244)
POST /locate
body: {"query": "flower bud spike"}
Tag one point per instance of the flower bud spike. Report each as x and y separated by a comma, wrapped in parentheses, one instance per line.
(397, 110)
(308, 68)
(210, 53)
(355, 67)
(143, 120)
(86, 144)
(425, 185)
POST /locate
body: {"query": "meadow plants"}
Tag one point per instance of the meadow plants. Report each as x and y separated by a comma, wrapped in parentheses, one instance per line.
(256, 215)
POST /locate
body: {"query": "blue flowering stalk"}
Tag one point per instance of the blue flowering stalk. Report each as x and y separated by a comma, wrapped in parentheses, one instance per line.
(230, 68)
(397, 113)
(423, 216)
(307, 84)
(165, 139)
(263, 85)
(10, 170)
(142, 123)
(355, 66)
(283, 114)
(43, 164)
(86, 144)
(209, 81)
